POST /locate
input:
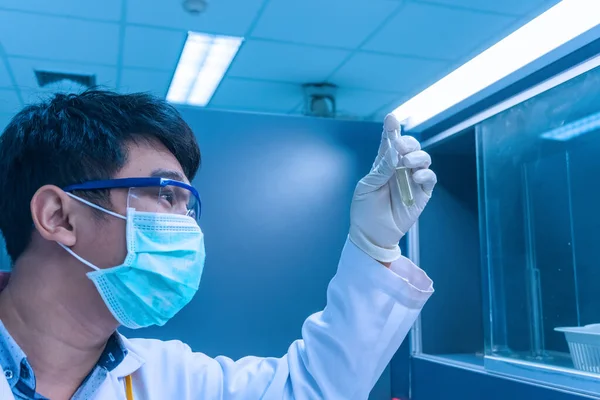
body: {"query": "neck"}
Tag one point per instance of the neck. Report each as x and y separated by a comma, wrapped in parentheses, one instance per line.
(63, 338)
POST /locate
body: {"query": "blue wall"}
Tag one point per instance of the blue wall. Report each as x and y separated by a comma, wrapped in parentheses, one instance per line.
(276, 194)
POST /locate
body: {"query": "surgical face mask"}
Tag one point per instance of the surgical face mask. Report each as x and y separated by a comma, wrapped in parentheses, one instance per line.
(162, 270)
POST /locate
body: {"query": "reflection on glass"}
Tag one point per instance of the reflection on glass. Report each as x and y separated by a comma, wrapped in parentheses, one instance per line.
(539, 182)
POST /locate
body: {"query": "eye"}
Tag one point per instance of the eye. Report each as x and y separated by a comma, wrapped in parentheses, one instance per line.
(167, 196)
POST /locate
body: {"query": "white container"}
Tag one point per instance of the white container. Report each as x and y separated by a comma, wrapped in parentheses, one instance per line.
(584, 345)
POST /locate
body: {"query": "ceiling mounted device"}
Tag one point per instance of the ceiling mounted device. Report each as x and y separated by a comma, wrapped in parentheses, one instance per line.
(64, 82)
(319, 100)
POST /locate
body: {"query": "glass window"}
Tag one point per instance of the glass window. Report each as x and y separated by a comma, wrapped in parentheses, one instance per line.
(539, 192)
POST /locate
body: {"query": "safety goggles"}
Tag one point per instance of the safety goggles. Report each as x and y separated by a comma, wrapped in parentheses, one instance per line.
(158, 195)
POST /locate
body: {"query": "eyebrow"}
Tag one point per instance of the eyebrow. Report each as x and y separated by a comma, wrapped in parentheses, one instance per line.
(168, 174)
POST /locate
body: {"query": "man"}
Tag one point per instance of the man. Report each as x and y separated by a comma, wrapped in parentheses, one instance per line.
(101, 224)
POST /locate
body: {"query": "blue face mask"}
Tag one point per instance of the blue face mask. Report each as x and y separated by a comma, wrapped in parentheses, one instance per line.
(161, 272)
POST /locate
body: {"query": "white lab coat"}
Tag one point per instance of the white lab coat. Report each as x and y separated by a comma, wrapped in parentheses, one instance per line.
(343, 351)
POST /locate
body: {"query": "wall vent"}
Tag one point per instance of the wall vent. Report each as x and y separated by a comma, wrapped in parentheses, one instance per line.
(46, 78)
(319, 100)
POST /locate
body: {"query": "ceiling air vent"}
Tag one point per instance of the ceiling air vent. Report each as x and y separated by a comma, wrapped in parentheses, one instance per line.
(319, 100)
(47, 78)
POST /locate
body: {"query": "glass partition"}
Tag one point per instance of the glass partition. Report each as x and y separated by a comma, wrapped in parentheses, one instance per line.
(539, 205)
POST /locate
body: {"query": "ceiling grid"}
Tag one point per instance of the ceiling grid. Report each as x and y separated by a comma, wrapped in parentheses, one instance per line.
(378, 53)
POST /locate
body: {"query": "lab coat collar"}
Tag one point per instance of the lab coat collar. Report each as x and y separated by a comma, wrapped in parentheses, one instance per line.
(132, 361)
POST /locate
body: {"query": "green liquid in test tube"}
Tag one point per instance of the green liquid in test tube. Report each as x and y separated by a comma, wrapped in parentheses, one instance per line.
(402, 177)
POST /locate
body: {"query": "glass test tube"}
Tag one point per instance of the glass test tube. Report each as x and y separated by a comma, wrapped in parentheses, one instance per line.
(402, 177)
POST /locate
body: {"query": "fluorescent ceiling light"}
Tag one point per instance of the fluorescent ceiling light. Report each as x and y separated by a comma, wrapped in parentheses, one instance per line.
(574, 129)
(560, 24)
(202, 65)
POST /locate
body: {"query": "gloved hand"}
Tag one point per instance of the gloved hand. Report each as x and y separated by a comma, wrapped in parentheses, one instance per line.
(378, 217)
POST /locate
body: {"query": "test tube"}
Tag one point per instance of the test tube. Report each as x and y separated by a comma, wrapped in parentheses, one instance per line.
(402, 177)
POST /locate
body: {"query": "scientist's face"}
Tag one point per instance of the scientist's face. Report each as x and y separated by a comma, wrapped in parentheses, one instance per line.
(104, 239)
(73, 238)
(99, 240)
(60, 219)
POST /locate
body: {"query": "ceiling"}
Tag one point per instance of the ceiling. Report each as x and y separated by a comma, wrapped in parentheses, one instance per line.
(378, 52)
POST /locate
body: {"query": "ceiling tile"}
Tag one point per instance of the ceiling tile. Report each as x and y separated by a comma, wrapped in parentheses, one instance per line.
(24, 71)
(58, 38)
(338, 23)
(35, 95)
(38, 95)
(437, 32)
(152, 47)
(9, 102)
(109, 10)
(259, 59)
(542, 7)
(250, 95)
(388, 73)
(5, 80)
(228, 17)
(380, 114)
(32, 96)
(362, 103)
(298, 109)
(512, 7)
(141, 80)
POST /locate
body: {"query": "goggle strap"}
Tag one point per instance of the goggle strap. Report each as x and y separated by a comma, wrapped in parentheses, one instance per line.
(97, 207)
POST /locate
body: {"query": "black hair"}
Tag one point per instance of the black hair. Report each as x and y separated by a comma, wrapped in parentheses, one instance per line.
(73, 138)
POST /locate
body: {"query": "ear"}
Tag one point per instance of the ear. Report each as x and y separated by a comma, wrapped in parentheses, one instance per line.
(51, 210)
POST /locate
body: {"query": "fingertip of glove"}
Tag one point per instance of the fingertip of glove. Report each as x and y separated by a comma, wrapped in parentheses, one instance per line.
(390, 123)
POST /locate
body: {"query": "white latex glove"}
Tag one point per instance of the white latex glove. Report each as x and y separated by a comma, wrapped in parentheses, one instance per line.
(378, 217)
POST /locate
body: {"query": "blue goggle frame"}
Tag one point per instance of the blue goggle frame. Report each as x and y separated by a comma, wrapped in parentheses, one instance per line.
(124, 183)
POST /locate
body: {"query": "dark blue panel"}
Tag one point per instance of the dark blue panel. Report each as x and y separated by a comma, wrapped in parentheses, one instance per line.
(400, 372)
(452, 320)
(433, 381)
(400, 365)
